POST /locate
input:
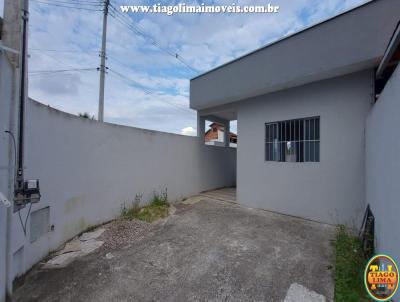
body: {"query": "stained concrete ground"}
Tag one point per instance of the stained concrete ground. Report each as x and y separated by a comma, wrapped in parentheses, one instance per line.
(210, 249)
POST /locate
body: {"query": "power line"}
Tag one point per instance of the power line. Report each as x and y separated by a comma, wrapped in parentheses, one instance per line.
(62, 50)
(90, 3)
(148, 91)
(57, 60)
(41, 72)
(66, 6)
(139, 31)
(121, 18)
(73, 69)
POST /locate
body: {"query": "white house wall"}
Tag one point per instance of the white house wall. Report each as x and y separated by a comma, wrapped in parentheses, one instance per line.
(332, 190)
(383, 167)
(348, 43)
(88, 170)
(7, 122)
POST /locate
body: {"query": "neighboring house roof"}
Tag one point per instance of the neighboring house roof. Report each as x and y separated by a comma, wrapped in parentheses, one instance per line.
(352, 41)
(210, 135)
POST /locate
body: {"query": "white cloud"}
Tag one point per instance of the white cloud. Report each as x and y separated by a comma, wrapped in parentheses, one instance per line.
(188, 131)
(205, 41)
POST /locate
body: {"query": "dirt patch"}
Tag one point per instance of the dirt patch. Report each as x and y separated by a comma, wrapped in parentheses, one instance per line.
(122, 232)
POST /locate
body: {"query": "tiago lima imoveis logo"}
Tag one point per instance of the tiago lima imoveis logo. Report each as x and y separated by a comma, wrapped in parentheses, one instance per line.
(381, 277)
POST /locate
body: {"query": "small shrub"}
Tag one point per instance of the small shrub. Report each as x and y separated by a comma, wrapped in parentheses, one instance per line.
(160, 199)
(131, 212)
(156, 208)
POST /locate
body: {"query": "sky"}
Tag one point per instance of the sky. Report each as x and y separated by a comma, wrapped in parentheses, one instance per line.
(145, 86)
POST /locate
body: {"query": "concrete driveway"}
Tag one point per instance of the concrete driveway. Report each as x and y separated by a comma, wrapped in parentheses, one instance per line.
(210, 249)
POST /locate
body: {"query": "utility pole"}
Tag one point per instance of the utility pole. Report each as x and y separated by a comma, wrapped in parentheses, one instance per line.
(103, 62)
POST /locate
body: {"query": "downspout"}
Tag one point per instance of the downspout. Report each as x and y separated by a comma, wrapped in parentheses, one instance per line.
(23, 82)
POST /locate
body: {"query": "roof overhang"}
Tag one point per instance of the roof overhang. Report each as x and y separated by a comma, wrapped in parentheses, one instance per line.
(392, 53)
(352, 41)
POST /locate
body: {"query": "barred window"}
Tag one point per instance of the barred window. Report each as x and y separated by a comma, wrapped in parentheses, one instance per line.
(293, 140)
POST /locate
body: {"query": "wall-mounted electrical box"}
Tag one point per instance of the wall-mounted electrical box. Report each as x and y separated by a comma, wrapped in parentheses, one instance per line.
(29, 193)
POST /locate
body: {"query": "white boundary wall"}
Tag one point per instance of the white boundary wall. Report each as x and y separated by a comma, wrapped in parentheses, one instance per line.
(383, 168)
(6, 159)
(87, 170)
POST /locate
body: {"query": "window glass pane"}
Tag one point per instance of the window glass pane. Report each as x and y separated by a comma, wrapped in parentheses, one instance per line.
(312, 151)
(312, 123)
(307, 129)
(271, 150)
(306, 151)
(270, 133)
(275, 150)
(297, 151)
(317, 129)
(290, 151)
(317, 151)
(301, 152)
(275, 132)
(293, 140)
(301, 129)
(293, 126)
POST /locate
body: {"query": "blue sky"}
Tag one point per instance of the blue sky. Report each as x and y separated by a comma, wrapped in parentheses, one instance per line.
(150, 89)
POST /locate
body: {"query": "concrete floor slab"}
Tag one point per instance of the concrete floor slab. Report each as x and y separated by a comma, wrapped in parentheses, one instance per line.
(208, 250)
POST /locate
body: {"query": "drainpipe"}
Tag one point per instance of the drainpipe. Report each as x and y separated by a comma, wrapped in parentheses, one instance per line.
(22, 96)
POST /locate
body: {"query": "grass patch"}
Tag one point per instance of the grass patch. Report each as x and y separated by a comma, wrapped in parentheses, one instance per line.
(350, 265)
(156, 209)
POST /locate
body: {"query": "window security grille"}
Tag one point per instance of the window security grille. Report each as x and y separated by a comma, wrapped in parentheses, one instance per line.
(293, 140)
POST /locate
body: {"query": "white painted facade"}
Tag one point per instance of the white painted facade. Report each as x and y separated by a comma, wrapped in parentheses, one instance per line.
(324, 71)
(7, 123)
(331, 190)
(327, 71)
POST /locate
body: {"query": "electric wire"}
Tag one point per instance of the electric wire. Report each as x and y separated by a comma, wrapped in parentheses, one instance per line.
(62, 50)
(66, 6)
(136, 29)
(119, 17)
(26, 218)
(70, 2)
(40, 72)
(148, 91)
(23, 225)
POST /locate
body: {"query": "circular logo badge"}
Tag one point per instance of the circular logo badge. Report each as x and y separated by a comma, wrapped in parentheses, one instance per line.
(381, 277)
